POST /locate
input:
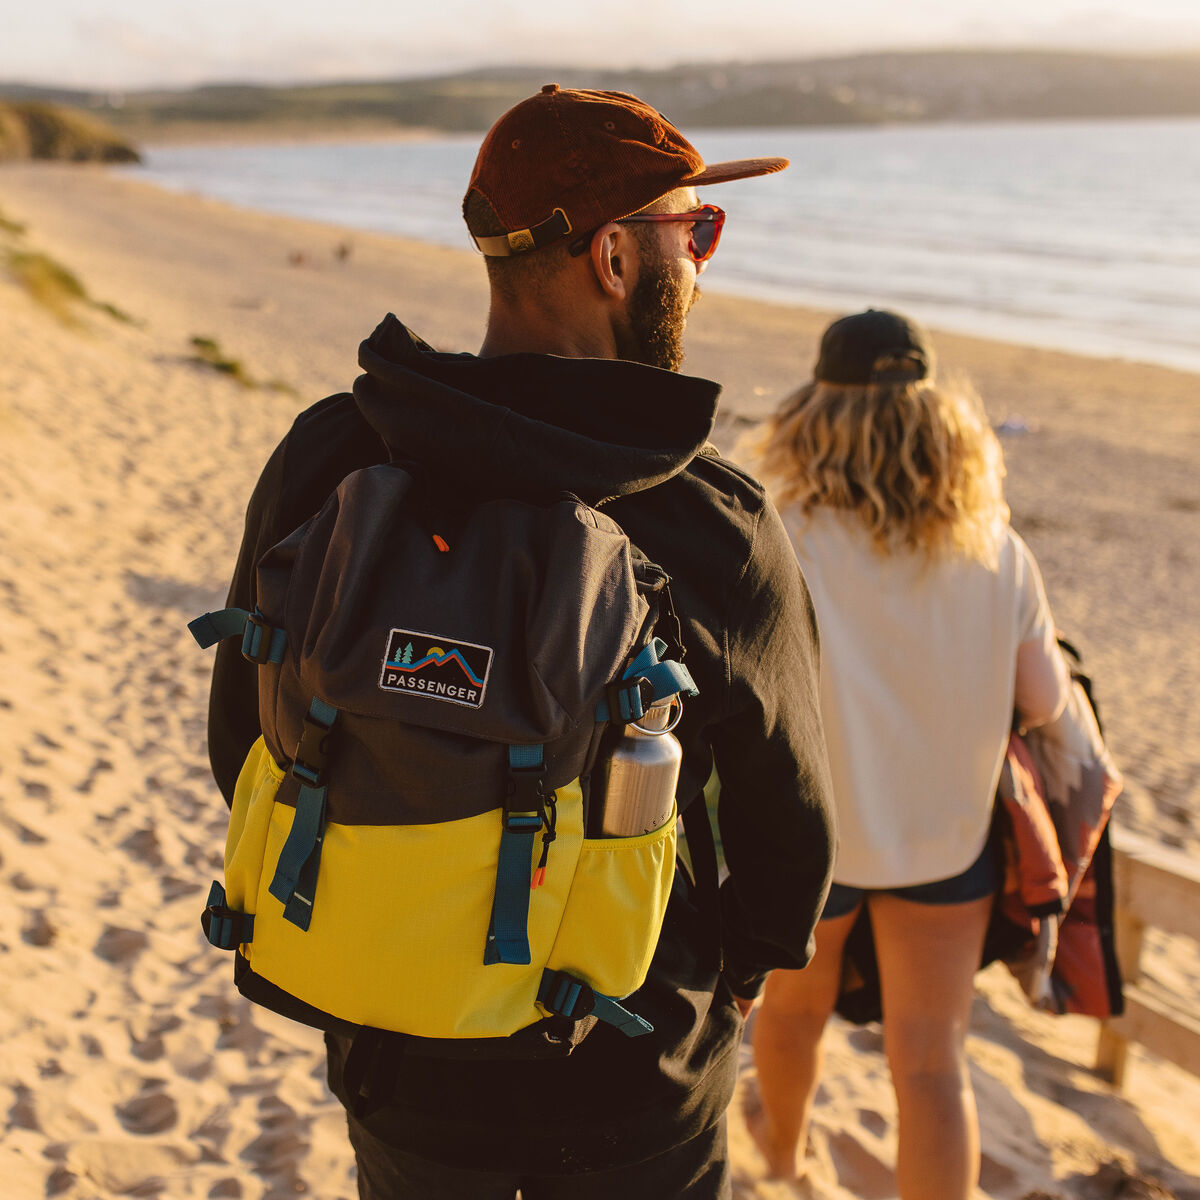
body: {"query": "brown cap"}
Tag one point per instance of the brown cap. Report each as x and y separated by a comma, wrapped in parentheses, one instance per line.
(566, 161)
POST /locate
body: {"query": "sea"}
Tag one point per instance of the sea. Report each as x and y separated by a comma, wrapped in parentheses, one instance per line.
(1076, 235)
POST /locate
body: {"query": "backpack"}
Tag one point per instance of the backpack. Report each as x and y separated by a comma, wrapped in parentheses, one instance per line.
(439, 683)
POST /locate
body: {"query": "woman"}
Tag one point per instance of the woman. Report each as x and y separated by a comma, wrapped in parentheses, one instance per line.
(934, 627)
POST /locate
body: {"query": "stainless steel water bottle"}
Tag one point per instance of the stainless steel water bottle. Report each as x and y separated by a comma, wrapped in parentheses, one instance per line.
(639, 784)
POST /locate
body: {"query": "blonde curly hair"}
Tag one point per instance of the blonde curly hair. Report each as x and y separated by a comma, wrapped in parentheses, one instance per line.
(918, 463)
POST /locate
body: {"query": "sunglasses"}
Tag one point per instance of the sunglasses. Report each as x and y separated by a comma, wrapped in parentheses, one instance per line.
(707, 222)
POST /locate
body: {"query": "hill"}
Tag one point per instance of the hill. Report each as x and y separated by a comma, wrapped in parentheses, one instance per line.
(859, 89)
(38, 129)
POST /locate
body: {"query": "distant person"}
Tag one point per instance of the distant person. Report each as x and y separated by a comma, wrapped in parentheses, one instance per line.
(934, 626)
(584, 206)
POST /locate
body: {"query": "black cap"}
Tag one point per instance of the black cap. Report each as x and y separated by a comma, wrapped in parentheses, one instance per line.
(854, 348)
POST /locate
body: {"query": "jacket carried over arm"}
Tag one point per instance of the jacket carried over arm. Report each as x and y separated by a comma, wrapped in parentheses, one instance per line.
(631, 440)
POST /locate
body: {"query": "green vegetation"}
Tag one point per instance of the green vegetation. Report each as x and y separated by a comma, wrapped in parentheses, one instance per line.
(53, 286)
(48, 282)
(208, 353)
(9, 226)
(33, 129)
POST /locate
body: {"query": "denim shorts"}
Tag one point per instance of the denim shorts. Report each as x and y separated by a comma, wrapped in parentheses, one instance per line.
(981, 878)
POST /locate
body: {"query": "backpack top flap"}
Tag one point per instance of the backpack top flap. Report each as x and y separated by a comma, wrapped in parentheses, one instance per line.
(505, 627)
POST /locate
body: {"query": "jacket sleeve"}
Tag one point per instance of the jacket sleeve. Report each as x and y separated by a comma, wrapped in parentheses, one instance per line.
(233, 722)
(775, 811)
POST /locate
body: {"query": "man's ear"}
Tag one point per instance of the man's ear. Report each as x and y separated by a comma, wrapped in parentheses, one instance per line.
(613, 260)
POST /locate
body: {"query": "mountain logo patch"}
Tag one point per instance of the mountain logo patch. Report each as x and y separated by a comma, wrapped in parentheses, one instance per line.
(437, 667)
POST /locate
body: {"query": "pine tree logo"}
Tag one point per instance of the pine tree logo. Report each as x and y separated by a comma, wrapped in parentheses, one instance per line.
(445, 669)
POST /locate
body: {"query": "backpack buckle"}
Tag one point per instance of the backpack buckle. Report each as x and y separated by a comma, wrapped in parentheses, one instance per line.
(312, 751)
(525, 798)
(225, 927)
(257, 640)
(628, 699)
(566, 996)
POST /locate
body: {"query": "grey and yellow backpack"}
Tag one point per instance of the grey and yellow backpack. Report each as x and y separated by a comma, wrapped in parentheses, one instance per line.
(437, 685)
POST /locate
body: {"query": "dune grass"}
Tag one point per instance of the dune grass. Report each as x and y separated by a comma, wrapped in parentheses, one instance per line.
(7, 225)
(208, 353)
(55, 287)
(48, 282)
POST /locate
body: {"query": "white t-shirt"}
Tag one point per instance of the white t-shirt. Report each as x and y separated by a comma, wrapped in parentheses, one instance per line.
(918, 674)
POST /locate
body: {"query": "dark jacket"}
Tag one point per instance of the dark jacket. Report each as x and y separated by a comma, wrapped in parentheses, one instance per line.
(632, 440)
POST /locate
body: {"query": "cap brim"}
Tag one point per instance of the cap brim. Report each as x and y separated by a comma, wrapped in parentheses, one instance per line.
(740, 168)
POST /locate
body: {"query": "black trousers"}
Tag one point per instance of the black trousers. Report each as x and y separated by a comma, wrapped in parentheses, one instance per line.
(696, 1170)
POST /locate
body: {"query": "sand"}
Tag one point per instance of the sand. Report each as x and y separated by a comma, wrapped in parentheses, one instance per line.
(130, 1064)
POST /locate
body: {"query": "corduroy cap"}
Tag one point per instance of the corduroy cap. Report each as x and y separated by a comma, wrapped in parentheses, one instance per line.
(566, 161)
(874, 347)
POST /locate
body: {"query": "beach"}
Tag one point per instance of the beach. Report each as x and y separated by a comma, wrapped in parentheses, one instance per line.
(131, 1066)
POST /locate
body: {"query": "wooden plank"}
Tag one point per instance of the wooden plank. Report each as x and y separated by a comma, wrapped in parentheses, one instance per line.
(1156, 885)
(1161, 1028)
(1112, 1048)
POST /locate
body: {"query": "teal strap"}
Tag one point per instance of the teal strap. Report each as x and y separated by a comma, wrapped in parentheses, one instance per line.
(646, 681)
(214, 627)
(261, 643)
(523, 814)
(294, 884)
(225, 927)
(570, 997)
(611, 1013)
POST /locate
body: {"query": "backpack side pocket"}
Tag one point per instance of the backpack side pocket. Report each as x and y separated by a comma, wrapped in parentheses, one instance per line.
(249, 824)
(616, 908)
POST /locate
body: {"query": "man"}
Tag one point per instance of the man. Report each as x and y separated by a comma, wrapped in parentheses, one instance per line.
(584, 205)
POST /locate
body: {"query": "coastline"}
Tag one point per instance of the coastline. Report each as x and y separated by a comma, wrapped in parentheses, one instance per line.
(280, 131)
(126, 470)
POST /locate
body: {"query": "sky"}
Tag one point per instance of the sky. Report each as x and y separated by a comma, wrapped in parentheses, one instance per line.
(127, 44)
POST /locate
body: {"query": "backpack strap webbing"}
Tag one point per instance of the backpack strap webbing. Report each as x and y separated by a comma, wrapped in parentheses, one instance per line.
(628, 700)
(261, 643)
(562, 993)
(225, 927)
(294, 884)
(523, 815)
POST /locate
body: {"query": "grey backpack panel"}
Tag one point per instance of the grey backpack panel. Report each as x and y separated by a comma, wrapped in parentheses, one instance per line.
(439, 659)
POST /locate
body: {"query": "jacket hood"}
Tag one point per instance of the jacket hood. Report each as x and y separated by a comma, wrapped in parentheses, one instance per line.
(521, 424)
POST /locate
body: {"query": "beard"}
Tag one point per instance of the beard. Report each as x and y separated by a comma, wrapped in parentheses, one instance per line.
(658, 310)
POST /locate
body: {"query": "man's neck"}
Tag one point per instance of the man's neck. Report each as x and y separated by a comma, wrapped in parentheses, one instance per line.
(513, 333)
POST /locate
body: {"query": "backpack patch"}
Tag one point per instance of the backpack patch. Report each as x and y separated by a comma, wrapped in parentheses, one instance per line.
(436, 667)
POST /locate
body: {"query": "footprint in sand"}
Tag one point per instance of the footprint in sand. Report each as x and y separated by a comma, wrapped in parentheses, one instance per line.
(143, 846)
(145, 1036)
(118, 945)
(859, 1169)
(873, 1122)
(40, 930)
(23, 1112)
(280, 1147)
(97, 768)
(29, 836)
(150, 1111)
